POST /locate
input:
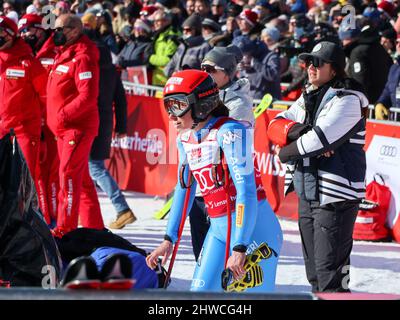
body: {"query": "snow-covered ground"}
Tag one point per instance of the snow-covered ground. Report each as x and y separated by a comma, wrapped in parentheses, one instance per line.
(375, 267)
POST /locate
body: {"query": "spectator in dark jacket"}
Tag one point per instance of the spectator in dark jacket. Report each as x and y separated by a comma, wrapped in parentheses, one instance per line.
(138, 49)
(261, 66)
(390, 97)
(191, 52)
(368, 61)
(209, 30)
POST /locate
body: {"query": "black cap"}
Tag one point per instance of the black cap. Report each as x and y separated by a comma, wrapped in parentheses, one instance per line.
(328, 52)
(207, 22)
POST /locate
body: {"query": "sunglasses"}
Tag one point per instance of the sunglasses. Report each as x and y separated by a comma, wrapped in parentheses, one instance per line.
(211, 69)
(187, 30)
(316, 62)
(59, 29)
(177, 105)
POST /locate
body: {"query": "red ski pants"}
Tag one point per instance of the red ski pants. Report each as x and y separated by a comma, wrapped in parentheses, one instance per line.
(48, 184)
(77, 196)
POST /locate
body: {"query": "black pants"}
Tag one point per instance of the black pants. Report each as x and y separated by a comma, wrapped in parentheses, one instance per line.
(326, 236)
(199, 225)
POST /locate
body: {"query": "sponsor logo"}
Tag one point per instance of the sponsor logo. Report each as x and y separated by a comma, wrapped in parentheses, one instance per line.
(151, 143)
(204, 178)
(230, 137)
(236, 170)
(85, 75)
(47, 61)
(63, 69)
(195, 153)
(15, 73)
(175, 80)
(207, 93)
(239, 215)
(388, 151)
(198, 283)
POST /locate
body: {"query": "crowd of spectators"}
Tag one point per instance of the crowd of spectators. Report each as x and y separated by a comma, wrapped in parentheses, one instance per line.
(171, 35)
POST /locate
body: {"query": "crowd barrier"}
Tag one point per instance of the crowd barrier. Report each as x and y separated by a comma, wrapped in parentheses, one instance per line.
(146, 160)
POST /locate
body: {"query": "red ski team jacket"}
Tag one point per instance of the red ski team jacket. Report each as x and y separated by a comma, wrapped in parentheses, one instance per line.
(22, 89)
(73, 89)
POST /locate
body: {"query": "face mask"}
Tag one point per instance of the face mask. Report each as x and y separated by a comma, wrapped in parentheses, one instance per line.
(32, 41)
(2, 41)
(207, 37)
(186, 36)
(59, 38)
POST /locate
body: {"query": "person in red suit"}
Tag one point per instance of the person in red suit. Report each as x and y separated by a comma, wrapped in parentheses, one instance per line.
(23, 93)
(33, 33)
(72, 115)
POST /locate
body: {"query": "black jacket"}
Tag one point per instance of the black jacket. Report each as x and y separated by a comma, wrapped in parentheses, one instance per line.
(135, 53)
(111, 91)
(369, 63)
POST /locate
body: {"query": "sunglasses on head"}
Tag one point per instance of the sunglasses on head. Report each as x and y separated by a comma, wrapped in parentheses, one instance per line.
(177, 105)
(316, 62)
(210, 69)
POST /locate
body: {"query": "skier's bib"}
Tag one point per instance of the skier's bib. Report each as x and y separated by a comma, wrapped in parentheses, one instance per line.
(204, 159)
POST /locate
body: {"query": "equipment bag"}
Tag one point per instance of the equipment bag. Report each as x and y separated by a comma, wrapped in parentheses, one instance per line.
(371, 218)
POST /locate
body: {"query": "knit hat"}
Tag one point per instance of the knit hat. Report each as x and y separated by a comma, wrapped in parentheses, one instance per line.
(148, 10)
(264, 3)
(272, 32)
(89, 20)
(144, 24)
(193, 22)
(249, 16)
(30, 20)
(245, 44)
(31, 9)
(64, 5)
(224, 57)
(387, 7)
(372, 13)
(207, 22)
(13, 15)
(9, 26)
(346, 32)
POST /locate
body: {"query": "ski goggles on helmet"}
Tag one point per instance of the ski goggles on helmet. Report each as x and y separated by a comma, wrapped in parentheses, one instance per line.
(178, 105)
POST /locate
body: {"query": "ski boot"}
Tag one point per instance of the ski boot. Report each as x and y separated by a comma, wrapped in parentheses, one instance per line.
(116, 273)
(81, 273)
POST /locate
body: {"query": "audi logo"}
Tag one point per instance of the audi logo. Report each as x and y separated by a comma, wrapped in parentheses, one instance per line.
(389, 151)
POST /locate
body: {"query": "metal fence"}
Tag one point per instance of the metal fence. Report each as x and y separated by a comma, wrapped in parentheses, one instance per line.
(155, 91)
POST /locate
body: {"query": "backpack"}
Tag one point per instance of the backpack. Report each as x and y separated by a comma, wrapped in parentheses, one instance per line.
(371, 218)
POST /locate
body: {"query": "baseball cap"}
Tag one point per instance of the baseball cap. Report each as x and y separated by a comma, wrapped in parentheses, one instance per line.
(207, 22)
(326, 51)
(9, 26)
(30, 20)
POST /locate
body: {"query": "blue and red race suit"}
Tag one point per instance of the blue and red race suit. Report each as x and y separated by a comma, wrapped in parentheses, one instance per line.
(253, 220)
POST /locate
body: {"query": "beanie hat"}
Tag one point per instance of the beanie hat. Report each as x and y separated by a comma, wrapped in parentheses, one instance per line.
(245, 44)
(372, 13)
(207, 22)
(63, 5)
(265, 4)
(272, 32)
(148, 10)
(387, 7)
(89, 20)
(193, 22)
(31, 9)
(13, 16)
(30, 20)
(9, 26)
(346, 32)
(144, 24)
(249, 16)
(226, 58)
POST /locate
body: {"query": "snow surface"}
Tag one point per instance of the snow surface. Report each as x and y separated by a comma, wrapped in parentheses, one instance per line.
(375, 267)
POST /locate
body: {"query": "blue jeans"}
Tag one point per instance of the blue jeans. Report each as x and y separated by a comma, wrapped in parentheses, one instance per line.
(106, 182)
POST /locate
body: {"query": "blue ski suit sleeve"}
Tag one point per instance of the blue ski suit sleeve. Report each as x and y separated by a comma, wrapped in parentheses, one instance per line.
(176, 211)
(236, 141)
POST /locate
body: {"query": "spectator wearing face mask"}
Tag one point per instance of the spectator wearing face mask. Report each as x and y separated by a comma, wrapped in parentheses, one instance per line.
(210, 29)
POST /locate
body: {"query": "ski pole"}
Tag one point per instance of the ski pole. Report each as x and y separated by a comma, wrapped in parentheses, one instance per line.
(228, 210)
(180, 231)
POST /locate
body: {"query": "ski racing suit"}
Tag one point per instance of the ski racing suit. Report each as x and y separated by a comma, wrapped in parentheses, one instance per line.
(252, 219)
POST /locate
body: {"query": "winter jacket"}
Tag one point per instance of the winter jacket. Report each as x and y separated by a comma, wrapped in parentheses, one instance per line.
(335, 123)
(47, 53)
(189, 55)
(238, 100)
(164, 46)
(23, 89)
(369, 63)
(73, 89)
(264, 73)
(388, 96)
(135, 53)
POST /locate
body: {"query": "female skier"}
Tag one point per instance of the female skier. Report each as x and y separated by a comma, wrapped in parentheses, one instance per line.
(208, 143)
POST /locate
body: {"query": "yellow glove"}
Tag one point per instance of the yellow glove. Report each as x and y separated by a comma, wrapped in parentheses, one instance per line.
(381, 112)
